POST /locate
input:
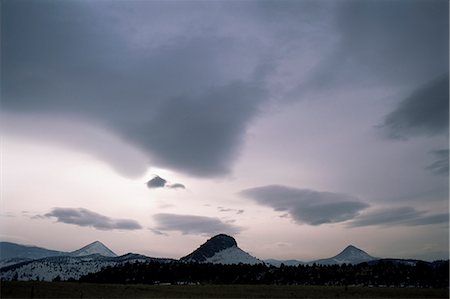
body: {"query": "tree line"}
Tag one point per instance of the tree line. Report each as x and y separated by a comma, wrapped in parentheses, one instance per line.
(383, 273)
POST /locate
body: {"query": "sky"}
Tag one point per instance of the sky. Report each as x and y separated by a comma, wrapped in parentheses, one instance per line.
(298, 127)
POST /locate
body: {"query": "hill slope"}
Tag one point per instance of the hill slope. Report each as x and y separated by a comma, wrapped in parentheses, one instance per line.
(350, 255)
(220, 249)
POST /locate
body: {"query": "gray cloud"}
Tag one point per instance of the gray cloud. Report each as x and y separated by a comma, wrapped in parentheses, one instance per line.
(307, 206)
(159, 182)
(176, 97)
(157, 232)
(406, 216)
(201, 133)
(191, 224)
(84, 217)
(425, 112)
(156, 182)
(440, 166)
(388, 42)
(176, 186)
(183, 90)
(237, 211)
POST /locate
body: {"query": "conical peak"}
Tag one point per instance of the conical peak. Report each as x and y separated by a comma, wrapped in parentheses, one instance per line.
(95, 247)
(351, 248)
(211, 247)
(353, 251)
(223, 241)
(95, 244)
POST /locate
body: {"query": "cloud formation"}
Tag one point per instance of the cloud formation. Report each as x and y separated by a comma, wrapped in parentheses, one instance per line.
(183, 90)
(156, 182)
(440, 166)
(237, 211)
(170, 94)
(176, 186)
(406, 216)
(192, 224)
(157, 232)
(84, 217)
(423, 113)
(159, 182)
(387, 42)
(305, 205)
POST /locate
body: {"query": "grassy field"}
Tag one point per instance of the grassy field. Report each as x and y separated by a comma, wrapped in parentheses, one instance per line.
(87, 290)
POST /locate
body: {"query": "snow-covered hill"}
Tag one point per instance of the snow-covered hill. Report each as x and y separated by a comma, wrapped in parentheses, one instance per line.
(68, 267)
(221, 249)
(350, 255)
(232, 255)
(13, 261)
(94, 248)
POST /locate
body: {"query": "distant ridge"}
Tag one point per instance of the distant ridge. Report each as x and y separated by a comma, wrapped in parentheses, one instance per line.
(10, 250)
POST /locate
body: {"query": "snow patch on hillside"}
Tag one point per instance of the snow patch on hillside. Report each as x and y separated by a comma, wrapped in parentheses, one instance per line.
(233, 255)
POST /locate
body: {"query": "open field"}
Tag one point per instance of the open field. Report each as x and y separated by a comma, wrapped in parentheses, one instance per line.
(88, 290)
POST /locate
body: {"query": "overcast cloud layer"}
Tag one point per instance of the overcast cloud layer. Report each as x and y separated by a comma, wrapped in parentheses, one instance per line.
(307, 206)
(84, 217)
(182, 81)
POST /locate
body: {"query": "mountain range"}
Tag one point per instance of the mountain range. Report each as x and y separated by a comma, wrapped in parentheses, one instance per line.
(31, 263)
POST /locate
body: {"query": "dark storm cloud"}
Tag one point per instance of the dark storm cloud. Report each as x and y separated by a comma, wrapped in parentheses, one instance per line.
(84, 217)
(179, 99)
(202, 133)
(425, 112)
(387, 42)
(191, 224)
(440, 166)
(406, 216)
(307, 206)
(156, 182)
(181, 82)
